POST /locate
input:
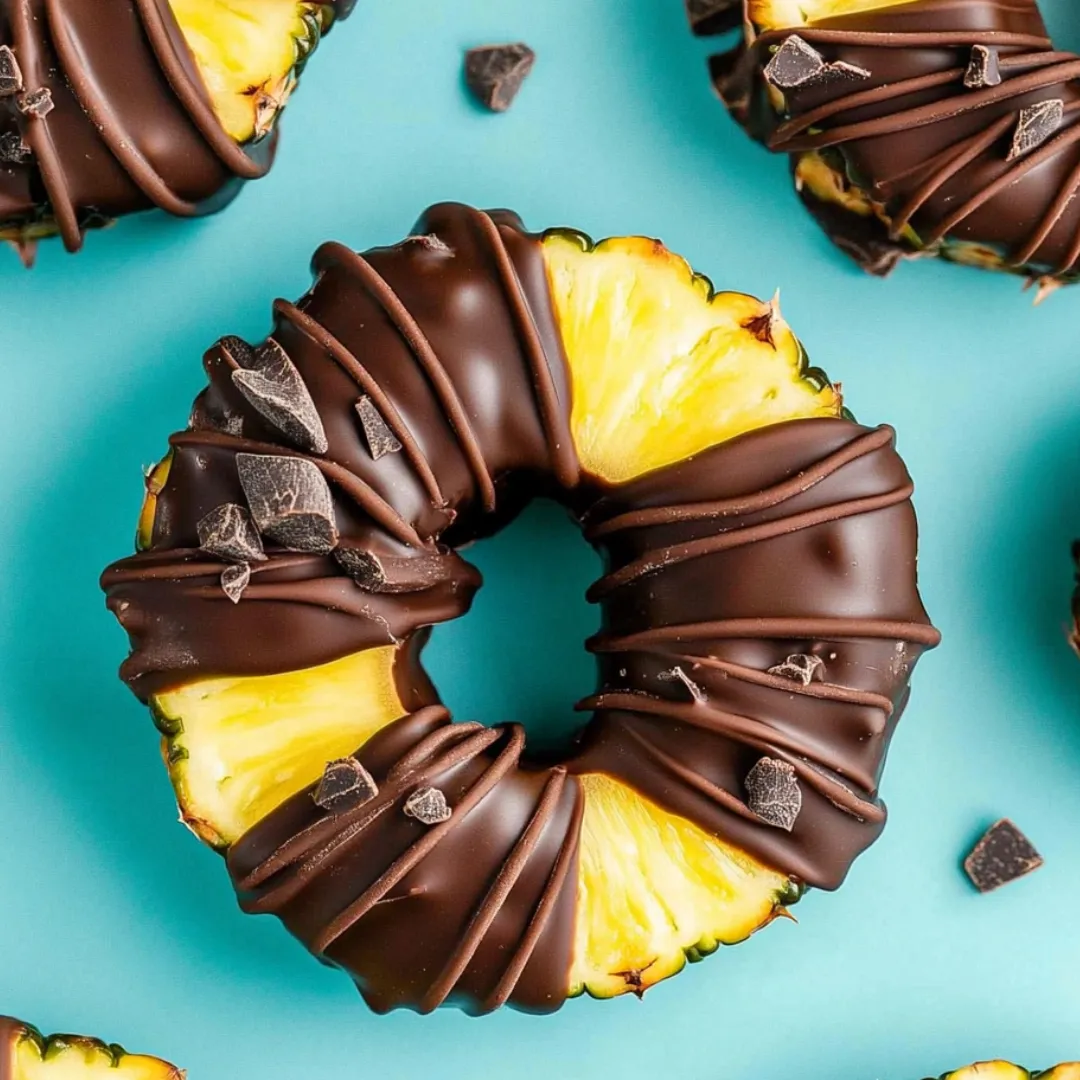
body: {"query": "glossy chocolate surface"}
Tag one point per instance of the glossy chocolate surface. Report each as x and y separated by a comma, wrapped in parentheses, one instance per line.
(795, 539)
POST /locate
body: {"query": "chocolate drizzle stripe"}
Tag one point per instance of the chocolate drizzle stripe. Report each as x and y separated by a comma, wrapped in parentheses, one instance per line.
(496, 896)
(747, 534)
(1049, 223)
(504, 761)
(700, 714)
(429, 361)
(369, 500)
(553, 888)
(827, 629)
(193, 97)
(36, 131)
(906, 40)
(559, 439)
(163, 565)
(747, 504)
(103, 115)
(352, 367)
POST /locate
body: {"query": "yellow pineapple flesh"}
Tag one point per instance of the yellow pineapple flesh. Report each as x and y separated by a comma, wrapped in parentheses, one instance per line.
(785, 14)
(1003, 1070)
(237, 748)
(249, 54)
(72, 1057)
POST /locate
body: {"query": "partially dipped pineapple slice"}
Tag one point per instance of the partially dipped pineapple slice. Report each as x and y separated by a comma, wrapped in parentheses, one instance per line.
(661, 366)
(785, 14)
(73, 1057)
(237, 748)
(1003, 1070)
(655, 891)
(250, 54)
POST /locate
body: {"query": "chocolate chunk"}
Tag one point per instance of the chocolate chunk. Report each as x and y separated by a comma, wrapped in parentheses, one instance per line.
(430, 242)
(380, 439)
(983, 68)
(290, 501)
(676, 674)
(11, 76)
(273, 387)
(708, 17)
(13, 151)
(1002, 855)
(428, 805)
(1035, 125)
(494, 73)
(773, 793)
(38, 103)
(797, 63)
(799, 667)
(345, 784)
(229, 533)
(234, 580)
(383, 574)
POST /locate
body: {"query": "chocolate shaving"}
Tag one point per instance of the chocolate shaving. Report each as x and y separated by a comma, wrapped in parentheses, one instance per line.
(797, 63)
(1035, 125)
(676, 674)
(229, 533)
(430, 242)
(494, 73)
(799, 667)
(290, 501)
(345, 784)
(428, 805)
(983, 68)
(773, 793)
(709, 17)
(380, 439)
(270, 382)
(11, 76)
(37, 103)
(1002, 855)
(13, 151)
(234, 580)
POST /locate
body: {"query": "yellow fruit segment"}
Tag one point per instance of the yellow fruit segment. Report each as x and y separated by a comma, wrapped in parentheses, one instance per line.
(249, 53)
(156, 478)
(69, 1057)
(239, 747)
(663, 368)
(782, 14)
(655, 891)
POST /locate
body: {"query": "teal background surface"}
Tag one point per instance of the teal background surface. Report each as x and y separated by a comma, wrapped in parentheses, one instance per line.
(113, 920)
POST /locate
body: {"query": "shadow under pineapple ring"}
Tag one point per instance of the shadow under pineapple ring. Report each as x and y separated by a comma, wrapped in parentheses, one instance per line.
(760, 615)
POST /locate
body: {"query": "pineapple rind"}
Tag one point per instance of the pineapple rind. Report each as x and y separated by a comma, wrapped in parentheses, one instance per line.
(656, 892)
(237, 748)
(1004, 1070)
(74, 1057)
(663, 367)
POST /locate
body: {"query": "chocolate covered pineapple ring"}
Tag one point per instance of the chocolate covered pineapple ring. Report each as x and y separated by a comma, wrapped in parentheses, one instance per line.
(116, 106)
(920, 127)
(760, 614)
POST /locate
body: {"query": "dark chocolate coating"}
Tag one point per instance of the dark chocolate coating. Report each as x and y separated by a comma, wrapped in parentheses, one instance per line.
(930, 150)
(11, 1031)
(798, 538)
(131, 128)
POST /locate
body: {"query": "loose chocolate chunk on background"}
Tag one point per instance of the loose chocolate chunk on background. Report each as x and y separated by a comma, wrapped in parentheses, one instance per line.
(37, 103)
(228, 532)
(1002, 855)
(11, 77)
(983, 68)
(345, 784)
(235, 580)
(428, 805)
(494, 73)
(773, 793)
(708, 17)
(13, 151)
(800, 667)
(1035, 125)
(380, 439)
(290, 501)
(274, 388)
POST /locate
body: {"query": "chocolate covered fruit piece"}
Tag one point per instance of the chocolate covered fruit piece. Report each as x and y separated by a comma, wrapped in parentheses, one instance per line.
(1002, 1070)
(25, 1054)
(662, 368)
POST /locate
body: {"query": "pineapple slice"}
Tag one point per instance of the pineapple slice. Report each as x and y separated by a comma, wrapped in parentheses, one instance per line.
(72, 1057)
(784, 14)
(237, 748)
(1002, 1070)
(661, 366)
(655, 891)
(156, 478)
(250, 54)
